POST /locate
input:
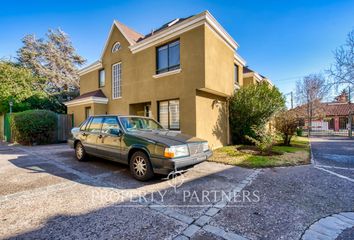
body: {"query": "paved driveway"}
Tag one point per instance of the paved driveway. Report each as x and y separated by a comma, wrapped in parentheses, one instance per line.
(45, 193)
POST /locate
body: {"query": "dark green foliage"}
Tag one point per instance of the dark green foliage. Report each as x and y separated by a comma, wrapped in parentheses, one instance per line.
(251, 108)
(34, 127)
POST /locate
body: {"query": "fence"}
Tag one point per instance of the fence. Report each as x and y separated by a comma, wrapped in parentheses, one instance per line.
(64, 125)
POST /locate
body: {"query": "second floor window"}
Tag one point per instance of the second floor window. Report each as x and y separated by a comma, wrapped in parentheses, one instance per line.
(168, 57)
(237, 82)
(116, 81)
(101, 78)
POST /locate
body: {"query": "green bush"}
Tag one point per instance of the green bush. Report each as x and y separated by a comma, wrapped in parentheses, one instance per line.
(34, 127)
(299, 131)
(252, 107)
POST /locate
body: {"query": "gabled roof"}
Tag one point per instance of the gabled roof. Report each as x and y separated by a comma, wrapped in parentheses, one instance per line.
(129, 33)
(97, 93)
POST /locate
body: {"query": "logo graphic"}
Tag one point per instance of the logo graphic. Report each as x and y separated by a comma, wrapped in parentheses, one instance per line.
(176, 179)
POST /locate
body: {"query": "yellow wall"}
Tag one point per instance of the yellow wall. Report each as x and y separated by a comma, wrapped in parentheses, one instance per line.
(207, 63)
(79, 111)
(212, 119)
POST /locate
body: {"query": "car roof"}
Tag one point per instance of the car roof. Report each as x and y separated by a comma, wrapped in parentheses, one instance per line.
(117, 115)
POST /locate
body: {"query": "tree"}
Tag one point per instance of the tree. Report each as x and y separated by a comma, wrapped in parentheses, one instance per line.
(53, 59)
(251, 107)
(310, 91)
(24, 89)
(286, 123)
(17, 84)
(342, 71)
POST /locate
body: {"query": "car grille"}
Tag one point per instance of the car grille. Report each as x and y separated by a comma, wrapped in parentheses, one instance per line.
(195, 148)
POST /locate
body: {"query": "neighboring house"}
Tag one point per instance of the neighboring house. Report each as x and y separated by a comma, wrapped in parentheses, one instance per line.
(180, 74)
(252, 77)
(334, 116)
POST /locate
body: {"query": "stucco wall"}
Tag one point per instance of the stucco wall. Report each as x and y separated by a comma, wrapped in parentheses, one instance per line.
(206, 63)
(212, 119)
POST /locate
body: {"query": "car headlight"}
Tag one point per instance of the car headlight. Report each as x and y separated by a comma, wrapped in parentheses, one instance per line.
(205, 146)
(176, 151)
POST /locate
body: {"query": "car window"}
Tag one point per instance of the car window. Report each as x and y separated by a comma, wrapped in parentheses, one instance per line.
(84, 124)
(139, 123)
(109, 124)
(95, 125)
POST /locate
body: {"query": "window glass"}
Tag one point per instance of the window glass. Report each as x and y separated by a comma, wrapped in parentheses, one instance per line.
(168, 57)
(173, 54)
(95, 125)
(163, 114)
(138, 123)
(116, 81)
(174, 114)
(236, 74)
(84, 124)
(108, 124)
(102, 78)
(88, 112)
(162, 56)
(169, 114)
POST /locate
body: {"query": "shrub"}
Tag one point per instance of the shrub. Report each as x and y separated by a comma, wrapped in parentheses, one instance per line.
(34, 126)
(251, 108)
(264, 140)
(286, 123)
(299, 131)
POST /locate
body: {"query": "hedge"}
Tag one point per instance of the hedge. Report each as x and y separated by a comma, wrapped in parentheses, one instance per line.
(34, 127)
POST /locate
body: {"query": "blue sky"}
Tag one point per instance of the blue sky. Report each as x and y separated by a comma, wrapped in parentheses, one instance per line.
(283, 40)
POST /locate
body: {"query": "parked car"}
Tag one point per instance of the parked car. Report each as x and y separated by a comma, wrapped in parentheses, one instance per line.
(140, 142)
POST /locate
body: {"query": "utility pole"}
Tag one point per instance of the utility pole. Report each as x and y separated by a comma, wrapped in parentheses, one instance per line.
(292, 101)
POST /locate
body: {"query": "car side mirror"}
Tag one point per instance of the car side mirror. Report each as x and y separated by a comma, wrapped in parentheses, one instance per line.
(116, 132)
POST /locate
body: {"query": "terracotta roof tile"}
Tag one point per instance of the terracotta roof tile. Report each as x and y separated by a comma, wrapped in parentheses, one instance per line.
(338, 109)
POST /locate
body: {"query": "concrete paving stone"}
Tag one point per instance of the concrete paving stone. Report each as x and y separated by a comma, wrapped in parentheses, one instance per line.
(202, 220)
(233, 236)
(345, 219)
(212, 211)
(325, 231)
(333, 223)
(190, 230)
(181, 237)
(221, 204)
(312, 235)
(204, 235)
(349, 215)
(215, 230)
(179, 216)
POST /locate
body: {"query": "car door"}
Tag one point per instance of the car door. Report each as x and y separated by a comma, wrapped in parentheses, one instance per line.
(109, 143)
(93, 131)
(82, 134)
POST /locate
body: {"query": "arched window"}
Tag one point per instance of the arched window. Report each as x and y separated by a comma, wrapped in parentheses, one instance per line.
(116, 47)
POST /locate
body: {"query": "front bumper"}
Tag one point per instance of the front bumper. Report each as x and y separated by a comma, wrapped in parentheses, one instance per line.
(71, 143)
(165, 166)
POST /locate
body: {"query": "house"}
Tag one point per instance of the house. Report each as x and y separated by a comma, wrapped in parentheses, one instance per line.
(252, 77)
(180, 74)
(333, 116)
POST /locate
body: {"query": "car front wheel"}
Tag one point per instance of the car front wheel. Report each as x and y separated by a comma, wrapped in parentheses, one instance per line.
(140, 166)
(80, 152)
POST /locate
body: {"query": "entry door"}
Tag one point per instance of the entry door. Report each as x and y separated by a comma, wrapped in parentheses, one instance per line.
(92, 134)
(109, 144)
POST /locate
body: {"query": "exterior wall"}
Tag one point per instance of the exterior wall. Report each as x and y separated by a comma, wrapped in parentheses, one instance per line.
(219, 64)
(212, 119)
(206, 62)
(79, 111)
(249, 81)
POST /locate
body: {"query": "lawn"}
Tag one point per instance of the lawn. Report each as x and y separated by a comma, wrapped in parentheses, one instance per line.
(296, 154)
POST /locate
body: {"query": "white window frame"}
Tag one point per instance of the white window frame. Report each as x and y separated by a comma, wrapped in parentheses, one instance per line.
(117, 82)
(116, 47)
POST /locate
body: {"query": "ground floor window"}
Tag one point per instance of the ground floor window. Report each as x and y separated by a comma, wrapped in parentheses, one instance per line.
(343, 122)
(87, 112)
(168, 114)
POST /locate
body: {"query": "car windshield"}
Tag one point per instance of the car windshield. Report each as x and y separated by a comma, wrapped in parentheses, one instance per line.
(139, 123)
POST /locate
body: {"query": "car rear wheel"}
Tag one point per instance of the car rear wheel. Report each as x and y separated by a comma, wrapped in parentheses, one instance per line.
(140, 166)
(80, 152)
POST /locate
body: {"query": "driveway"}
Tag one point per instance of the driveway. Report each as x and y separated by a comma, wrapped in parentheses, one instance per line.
(45, 193)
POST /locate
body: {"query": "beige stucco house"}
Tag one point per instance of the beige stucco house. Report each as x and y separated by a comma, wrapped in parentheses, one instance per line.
(180, 74)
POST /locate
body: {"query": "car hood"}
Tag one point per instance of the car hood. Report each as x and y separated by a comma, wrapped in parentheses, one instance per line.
(168, 138)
